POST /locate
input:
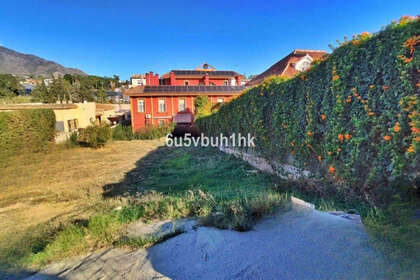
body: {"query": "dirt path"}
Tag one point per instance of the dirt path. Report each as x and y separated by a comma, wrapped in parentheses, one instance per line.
(300, 244)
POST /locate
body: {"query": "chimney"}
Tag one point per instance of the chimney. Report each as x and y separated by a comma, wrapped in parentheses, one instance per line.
(172, 78)
(238, 80)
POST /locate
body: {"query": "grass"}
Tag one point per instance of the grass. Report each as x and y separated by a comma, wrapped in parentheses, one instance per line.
(152, 182)
(43, 193)
(167, 183)
(16, 99)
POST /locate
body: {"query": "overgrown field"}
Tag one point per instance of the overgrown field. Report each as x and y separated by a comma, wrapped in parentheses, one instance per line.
(85, 186)
(353, 118)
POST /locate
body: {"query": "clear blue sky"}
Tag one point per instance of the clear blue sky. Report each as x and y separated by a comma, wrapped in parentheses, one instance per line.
(123, 37)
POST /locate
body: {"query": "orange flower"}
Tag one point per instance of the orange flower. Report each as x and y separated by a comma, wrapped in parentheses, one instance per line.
(341, 137)
(347, 136)
(371, 113)
(335, 77)
(415, 130)
(329, 153)
(319, 158)
(309, 133)
(331, 169)
(385, 87)
(411, 149)
(417, 139)
(387, 137)
(338, 149)
(348, 100)
(323, 117)
(397, 127)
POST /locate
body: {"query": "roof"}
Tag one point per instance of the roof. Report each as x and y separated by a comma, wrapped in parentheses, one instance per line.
(138, 76)
(200, 73)
(183, 90)
(285, 67)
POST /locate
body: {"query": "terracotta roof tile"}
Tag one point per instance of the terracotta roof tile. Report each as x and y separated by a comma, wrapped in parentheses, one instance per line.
(285, 67)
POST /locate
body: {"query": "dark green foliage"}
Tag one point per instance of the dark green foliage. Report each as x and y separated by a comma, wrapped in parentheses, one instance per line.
(122, 132)
(153, 132)
(203, 106)
(26, 131)
(9, 86)
(354, 117)
(95, 136)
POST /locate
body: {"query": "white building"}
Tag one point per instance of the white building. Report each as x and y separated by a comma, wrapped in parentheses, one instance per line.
(137, 80)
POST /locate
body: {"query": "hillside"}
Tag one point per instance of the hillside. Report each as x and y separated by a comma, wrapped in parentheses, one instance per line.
(16, 63)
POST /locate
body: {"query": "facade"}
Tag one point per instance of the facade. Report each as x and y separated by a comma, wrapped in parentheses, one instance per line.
(291, 65)
(137, 80)
(171, 97)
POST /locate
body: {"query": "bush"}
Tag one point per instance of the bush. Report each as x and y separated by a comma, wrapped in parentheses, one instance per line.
(26, 131)
(95, 136)
(122, 132)
(153, 132)
(354, 117)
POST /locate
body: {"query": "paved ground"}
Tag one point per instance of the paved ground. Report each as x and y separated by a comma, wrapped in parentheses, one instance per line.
(300, 244)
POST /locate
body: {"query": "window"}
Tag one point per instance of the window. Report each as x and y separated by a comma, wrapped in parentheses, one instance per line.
(162, 106)
(186, 83)
(161, 123)
(140, 106)
(220, 100)
(59, 126)
(181, 105)
(226, 82)
(73, 125)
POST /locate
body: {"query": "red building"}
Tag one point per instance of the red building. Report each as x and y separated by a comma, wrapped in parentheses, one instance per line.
(171, 97)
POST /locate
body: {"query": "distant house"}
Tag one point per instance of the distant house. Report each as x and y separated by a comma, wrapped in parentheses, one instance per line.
(117, 97)
(48, 82)
(28, 88)
(137, 80)
(171, 97)
(291, 65)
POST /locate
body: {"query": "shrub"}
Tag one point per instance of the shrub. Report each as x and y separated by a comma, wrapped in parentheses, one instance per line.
(122, 132)
(95, 136)
(153, 132)
(354, 117)
(26, 131)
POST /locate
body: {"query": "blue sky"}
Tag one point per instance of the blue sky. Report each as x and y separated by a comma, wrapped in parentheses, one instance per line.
(124, 37)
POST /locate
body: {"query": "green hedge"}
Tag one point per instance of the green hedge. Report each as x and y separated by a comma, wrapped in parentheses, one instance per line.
(150, 132)
(354, 117)
(26, 131)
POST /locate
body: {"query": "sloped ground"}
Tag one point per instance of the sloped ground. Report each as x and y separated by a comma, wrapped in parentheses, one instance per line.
(300, 244)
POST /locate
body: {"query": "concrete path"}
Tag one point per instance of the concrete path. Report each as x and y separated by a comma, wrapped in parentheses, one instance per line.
(300, 244)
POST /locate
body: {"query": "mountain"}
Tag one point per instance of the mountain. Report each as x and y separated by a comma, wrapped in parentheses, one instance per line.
(21, 64)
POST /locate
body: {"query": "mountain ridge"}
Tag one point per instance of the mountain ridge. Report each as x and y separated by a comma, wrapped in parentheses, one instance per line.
(21, 64)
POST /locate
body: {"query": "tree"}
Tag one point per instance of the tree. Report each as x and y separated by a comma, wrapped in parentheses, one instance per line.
(41, 94)
(101, 96)
(9, 86)
(203, 106)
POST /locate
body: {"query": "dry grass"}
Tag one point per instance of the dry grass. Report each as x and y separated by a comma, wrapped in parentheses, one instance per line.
(66, 182)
